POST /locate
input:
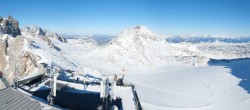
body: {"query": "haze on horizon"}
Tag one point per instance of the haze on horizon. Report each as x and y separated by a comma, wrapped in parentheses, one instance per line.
(171, 17)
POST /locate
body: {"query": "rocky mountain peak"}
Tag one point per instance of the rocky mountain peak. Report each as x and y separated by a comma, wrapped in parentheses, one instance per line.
(142, 29)
(9, 26)
(137, 34)
(37, 31)
(33, 30)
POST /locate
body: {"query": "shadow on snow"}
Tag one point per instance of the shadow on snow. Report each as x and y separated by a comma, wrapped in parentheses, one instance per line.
(239, 68)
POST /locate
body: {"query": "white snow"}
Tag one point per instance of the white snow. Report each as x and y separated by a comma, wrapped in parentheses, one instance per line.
(127, 97)
(161, 71)
(187, 87)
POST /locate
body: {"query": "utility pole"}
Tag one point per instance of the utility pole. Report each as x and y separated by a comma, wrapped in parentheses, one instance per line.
(53, 79)
(16, 77)
(102, 92)
(16, 73)
(194, 60)
(106, 94)
(113, 88)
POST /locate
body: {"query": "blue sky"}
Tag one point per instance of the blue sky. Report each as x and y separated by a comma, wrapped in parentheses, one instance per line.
(171, 17)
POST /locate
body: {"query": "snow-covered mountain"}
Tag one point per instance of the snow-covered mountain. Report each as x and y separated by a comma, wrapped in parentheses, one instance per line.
(161, 70)
(138, 46)
(26, 54)
(37, 31)
(132, 48)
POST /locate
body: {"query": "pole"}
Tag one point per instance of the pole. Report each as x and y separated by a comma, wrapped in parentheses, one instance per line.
(53, 79)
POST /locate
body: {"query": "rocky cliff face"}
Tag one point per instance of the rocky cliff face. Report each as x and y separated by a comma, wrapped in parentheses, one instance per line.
(15, 61)
(19, 52)
(9, 26)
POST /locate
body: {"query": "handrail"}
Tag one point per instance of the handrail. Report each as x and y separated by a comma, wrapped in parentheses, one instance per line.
(137, 101)
(6, 83)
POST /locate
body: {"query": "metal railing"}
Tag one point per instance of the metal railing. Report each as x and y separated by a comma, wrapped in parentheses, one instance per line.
(136, 98)
(6, 83)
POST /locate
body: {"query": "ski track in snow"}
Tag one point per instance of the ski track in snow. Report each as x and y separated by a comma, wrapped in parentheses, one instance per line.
(172, 92)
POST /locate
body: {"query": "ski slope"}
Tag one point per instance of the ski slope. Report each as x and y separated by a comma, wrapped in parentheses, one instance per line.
(181, 87)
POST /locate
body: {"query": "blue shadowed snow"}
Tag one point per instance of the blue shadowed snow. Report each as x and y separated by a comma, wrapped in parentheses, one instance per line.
(239, 68)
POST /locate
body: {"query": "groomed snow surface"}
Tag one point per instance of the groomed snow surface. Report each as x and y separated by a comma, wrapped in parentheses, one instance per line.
(181, 87)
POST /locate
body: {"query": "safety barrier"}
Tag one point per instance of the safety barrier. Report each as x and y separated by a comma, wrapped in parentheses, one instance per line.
(137, 101)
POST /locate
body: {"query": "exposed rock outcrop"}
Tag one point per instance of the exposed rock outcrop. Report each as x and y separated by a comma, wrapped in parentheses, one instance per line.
(37, 31)
(1, 29)
(23, 56)
(15, 60)
(9, 26)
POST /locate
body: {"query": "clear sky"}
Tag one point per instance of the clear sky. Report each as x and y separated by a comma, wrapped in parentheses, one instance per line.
(171, 17)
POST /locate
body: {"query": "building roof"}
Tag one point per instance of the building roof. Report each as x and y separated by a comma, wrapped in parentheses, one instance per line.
(12, 99)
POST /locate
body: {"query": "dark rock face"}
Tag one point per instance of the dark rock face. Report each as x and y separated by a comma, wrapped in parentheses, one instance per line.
(10, 26)
(1, 19)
